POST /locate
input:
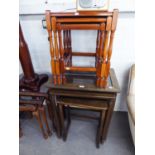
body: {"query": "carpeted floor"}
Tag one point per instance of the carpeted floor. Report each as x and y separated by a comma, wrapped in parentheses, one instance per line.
(80, 140)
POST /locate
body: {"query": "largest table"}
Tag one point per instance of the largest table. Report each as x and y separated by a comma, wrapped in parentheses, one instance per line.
(84, 86)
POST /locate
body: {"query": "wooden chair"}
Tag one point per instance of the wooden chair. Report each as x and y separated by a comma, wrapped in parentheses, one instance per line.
(85, 104)
(61, 48)
(33, 102)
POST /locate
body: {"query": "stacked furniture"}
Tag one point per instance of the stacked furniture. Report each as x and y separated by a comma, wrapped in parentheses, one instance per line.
(61, 45)
(89, 97)
(88, 88)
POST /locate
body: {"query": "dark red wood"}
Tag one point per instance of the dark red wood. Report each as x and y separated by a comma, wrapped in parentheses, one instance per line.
(30, 80)
(25, 59)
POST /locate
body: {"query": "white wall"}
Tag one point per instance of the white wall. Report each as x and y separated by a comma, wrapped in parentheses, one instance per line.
(123, 55)
(39, 6)
(123, 50)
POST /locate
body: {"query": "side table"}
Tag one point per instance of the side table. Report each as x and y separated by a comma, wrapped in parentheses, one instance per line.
(83, 86)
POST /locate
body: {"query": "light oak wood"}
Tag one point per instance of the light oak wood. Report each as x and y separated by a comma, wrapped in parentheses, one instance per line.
(49, 29)
(79, 20)
(105, 24)
(82, 69)
(78, 27)
(83, 54)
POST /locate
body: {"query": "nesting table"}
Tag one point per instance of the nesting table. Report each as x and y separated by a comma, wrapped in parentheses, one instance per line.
(80, 91)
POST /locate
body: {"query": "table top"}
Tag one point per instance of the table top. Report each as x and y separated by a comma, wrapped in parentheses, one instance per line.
(86, 82)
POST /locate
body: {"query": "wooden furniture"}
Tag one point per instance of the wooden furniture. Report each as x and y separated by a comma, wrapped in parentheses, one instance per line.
(82, 103)
(33, 102)
(80, 91)
(61, 46)
(30, 81)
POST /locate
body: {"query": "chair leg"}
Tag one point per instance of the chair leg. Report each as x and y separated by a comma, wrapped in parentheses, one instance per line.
(37, 115)
(99, 132)
(43, 112)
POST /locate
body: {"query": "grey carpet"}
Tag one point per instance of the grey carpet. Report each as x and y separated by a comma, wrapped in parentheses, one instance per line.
(80, 140)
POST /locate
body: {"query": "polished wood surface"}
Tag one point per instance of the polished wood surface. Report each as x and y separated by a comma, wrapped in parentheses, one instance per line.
(60, 46)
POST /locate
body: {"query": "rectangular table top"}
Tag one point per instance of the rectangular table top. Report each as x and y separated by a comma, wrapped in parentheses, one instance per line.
(86, 82)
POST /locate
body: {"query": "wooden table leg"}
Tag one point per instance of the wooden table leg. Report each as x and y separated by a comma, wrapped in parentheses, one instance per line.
(49, 109)
(99, 132)
(68, 114)
(107, 120)
(50, 112)
(37, 115)
(55, 114)
(43, 112)
(68, 123)
(61, 115)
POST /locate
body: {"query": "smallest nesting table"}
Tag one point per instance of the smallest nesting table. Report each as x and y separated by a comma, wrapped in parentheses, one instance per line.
(80, 92)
